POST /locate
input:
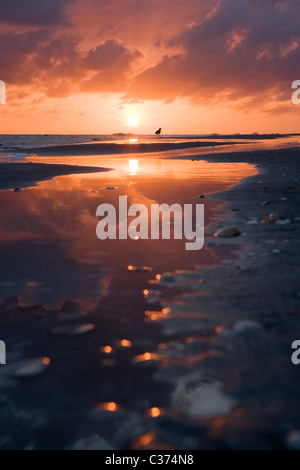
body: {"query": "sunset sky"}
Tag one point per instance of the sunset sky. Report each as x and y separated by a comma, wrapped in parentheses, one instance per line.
(88, 66)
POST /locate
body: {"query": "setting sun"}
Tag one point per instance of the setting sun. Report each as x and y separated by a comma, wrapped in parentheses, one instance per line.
(133, 120)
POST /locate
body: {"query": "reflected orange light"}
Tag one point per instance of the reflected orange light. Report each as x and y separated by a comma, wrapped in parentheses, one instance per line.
(133, 141)
(154, 412)
(133, 164)
(106, 349)
(143, 357)
(218, 329)
(157, 314)
(144, 440)
(111, 406)
(191, 339)
(108, 406)
(166, 310)
(46, 361)
(145, 292)
(158, 277)
(126, 343)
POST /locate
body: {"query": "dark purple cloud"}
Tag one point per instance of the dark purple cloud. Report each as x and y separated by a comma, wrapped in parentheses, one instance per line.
(32, 12)
(55, 64)
(210, 52)
(112, 61)
(244, 47)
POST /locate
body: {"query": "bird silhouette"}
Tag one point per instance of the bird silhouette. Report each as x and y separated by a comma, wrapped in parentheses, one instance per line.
(158, 132)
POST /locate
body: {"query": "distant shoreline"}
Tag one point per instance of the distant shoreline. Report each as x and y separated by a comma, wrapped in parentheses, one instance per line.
(115, 149)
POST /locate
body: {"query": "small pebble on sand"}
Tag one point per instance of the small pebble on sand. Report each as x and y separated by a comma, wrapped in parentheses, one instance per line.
(265, 203)
(228, 232)
(73, 330)
(33, 368)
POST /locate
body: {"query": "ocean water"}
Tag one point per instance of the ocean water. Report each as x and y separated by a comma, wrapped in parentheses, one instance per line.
(16, 148)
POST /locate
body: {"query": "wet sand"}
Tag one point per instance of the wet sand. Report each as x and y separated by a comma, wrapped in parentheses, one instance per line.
(226, 338)
(251, 306)
(20, 175)
(119, 148)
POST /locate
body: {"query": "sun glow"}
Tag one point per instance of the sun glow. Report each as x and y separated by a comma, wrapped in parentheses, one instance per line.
(133, 169)
(133, 121)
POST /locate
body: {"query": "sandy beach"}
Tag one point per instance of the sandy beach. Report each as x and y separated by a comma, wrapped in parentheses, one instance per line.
(20, 175)
(220, 367)
(251, 305)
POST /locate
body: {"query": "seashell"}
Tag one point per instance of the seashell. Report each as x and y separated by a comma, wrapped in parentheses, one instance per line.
(73, 330)
(227, 232)
(283, 221)
(245, 325)
(33, 368)
(139, 269)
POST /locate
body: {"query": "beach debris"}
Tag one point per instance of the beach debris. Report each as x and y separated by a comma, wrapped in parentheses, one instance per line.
(266, 187)
(245, 325)
(92, 191)
(227, 232)
(292, 440)
(111, 187)
(265, 203)
(167, 278)
(139, 269)
(151, 296)
(270, 218)
(204, 401)
(62, 206)
(290, 187)
(235, 209)
(283, 221)
(106, 349)
(147, 359)
(76, 329)
(202, 196)
(32, 368)
(17, 190)
(124, 343)
(241, 326)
